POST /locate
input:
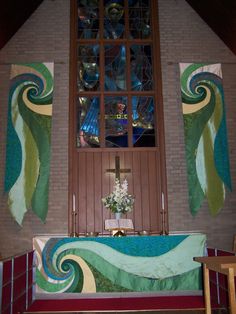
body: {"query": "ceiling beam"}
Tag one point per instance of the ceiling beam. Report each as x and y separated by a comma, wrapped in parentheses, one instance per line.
(220, 15)
(13, 15)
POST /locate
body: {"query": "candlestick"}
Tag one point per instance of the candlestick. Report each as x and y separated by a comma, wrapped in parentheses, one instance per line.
(73, 207)
(74, 233)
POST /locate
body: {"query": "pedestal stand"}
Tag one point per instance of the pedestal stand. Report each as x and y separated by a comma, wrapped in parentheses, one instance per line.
(118, 233)
(74, 234)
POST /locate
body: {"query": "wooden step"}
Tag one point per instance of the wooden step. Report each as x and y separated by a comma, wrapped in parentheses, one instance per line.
(159, 303)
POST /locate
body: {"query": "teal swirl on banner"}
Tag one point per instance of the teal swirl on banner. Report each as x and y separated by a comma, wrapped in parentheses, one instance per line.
(129, 264)
(28, 139)
(205, 135)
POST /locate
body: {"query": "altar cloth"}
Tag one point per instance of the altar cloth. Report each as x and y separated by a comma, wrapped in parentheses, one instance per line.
(126, 264)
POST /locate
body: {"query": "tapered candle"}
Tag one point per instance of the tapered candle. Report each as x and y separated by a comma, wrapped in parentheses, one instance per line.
(73, 202)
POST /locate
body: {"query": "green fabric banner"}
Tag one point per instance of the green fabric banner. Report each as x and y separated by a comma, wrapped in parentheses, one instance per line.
(205, 135)
(28, 139)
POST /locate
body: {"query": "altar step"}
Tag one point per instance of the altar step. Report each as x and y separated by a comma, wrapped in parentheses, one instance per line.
(157, 304)
(193, 311)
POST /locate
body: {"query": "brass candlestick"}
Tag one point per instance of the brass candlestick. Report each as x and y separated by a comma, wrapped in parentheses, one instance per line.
(74, 234)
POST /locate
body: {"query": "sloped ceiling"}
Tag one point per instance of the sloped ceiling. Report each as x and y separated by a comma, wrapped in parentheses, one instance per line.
(13, 14)
(220, 15)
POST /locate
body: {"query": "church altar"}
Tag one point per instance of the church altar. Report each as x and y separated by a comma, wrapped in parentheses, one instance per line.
(118, 264)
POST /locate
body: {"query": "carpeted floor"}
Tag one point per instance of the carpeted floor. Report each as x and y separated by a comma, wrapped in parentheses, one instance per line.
(129, 304)
(222, 311)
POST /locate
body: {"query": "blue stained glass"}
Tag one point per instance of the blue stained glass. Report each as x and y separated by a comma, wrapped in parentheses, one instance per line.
(88, 67)
(113, 19)
(143, 121)
(115, 67)
(116, 121)
(139, 19)
(88, 118)
(139, 3)
(88, 19)
(114, 73)
(141, 67)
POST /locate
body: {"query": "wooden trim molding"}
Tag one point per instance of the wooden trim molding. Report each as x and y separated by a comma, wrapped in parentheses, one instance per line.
(88, 180)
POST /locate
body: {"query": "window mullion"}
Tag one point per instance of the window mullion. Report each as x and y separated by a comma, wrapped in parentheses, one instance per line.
(128, 78)
(128, 75)
(102, 74)
(158, 113)
(102, 96)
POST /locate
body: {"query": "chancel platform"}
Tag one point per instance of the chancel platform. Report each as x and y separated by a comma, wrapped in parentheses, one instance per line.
(135, 264)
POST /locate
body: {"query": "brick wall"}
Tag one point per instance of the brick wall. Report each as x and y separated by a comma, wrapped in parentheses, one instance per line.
(184, 38)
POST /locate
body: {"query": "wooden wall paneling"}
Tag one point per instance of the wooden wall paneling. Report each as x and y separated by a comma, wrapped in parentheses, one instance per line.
(112, 165)
(137, 192)
(154, 179)
(81, 199)
(98, 179)
(105, 185)
(94, 183)
(123, 165)
(159, 183)
(129, 177)
(145, 190)
(121, 154)
(161, 186)
(90, 191)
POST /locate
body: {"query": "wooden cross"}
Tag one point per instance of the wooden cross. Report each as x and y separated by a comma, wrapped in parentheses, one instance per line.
(117, 171)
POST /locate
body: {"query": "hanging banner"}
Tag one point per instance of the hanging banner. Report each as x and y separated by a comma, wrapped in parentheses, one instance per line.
(205, 135)
(28, 139)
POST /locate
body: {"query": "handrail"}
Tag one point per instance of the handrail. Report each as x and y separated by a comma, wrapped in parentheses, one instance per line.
(8, 258)
(8, 288)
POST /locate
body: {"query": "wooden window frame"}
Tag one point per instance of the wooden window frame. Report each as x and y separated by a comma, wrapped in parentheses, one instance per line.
(156, 93)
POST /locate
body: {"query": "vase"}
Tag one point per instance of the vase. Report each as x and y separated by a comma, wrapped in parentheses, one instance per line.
(118, 215)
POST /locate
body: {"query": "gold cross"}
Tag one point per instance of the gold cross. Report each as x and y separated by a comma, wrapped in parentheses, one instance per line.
(117, 171)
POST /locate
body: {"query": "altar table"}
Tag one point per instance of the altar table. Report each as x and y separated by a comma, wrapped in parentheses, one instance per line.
(221, 264)
(125, 264)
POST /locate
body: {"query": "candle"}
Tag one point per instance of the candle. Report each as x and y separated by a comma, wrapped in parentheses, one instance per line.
(73, 202)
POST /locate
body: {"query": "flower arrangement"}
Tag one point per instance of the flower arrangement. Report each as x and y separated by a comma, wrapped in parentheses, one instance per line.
(119, 201)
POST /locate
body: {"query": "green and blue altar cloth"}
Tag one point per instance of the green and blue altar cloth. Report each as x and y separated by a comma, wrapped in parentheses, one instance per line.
(127, 264)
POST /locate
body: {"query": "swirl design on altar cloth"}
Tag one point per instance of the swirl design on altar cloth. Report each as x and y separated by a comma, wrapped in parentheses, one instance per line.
(205, 135)
(87, 265)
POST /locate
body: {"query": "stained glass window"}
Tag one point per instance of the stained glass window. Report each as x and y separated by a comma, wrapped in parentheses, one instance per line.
(114, 24)
(141, 67)
(116, 122)
(115, 84)
(143, 121)
(88, 19)
(88, 67)
(115, 65)
(139, 19)
(88, 122)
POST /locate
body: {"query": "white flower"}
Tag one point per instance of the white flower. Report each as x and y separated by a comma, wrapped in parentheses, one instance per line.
(119, 201)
